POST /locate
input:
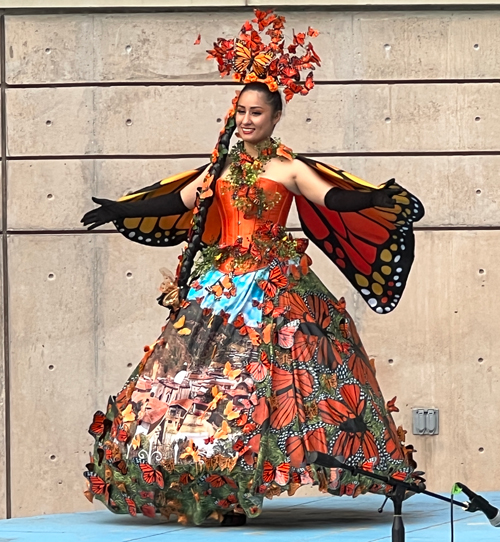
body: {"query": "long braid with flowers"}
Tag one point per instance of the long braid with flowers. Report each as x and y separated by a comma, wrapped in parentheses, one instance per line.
(204, 200)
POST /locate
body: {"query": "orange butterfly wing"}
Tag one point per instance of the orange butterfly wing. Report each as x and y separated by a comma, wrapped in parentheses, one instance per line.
(168, 230)
(373, 248)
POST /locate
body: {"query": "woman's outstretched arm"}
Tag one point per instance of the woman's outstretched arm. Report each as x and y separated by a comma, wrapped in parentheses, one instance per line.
(319, 191)
(168, 204)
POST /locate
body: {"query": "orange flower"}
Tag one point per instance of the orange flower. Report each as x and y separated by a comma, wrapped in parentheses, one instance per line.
(237, 77)
(273, 87)
(215, 155)
(251, 78)
(271, 83)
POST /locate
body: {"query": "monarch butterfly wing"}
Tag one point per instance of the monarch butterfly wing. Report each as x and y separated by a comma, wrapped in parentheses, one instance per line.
(159, 231)
(215, 480)
(148, 473)
(268, 472)
(97, 426)
(373, 248)
(282, 474)
(96, 483)
(261, 62)
(242, 57)
(159, 479)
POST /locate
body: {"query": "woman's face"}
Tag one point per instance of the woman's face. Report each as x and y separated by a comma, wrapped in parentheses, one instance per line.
(254, 117)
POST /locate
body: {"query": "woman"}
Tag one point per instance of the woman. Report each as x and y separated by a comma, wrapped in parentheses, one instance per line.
(259, 363)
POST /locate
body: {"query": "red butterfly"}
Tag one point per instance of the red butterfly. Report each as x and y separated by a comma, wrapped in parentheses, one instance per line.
(97, 485)
(147, 494)
(312, 32)
(148, 510)
(347, 414)
(216, 480)
(279, 474)
(259, 369)
(275, 282)
(289, 388)
(122, 434)
(150, 474)
(239, 321)
(286, 334)
(185, 478)
(391, 405)
(225, 316)
(209, 440)
(132, 508)
(252, 334)
(100, 425)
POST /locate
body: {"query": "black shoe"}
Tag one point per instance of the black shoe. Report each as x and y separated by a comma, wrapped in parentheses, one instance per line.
(233, 520)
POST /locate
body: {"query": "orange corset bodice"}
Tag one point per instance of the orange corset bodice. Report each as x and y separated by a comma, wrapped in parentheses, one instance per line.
(235, 227)
(251, 241)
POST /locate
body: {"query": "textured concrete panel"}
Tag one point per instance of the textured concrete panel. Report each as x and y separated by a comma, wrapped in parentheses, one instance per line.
(54, 194)
(116, 120)
(151, 47)
(129, 315)
(439, 349)
(170, 120)
(82, 308)
(430, 45)
(50, 121)
(54, 370)
(49, 48)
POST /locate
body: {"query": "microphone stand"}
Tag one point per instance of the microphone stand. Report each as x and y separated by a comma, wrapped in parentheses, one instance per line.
(398, 492)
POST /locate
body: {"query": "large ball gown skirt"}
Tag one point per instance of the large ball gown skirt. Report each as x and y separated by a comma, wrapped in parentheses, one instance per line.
(252, 372)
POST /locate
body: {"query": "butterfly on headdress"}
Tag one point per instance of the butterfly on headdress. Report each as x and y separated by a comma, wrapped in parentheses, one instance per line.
(247, 60)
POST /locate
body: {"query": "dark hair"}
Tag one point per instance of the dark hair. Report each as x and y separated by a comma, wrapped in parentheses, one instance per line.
(272, 98)
(200, 218)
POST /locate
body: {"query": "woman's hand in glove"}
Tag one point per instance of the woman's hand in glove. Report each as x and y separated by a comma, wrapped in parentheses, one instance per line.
(384, 196)
(106, 213)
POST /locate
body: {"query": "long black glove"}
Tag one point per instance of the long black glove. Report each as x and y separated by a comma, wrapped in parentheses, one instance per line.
(337, 199)
(168, 204)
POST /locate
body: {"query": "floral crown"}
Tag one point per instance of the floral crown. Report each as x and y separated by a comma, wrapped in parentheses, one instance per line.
(272, 63)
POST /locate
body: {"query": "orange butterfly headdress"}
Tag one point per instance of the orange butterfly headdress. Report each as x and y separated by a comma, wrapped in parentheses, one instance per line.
(273, 63)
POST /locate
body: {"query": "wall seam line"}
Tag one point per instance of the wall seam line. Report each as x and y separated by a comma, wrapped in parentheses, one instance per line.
(5, 281)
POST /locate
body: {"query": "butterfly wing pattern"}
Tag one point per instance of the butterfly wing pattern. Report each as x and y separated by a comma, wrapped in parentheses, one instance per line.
(168, 230)
(373, 248)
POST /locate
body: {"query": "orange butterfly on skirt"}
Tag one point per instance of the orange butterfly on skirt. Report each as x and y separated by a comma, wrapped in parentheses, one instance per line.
(217, 480)
(150, 474)
(259, 369)
(276, 281)
(100, 425)
(286, 334)
(132, 508)
(97, 485)
(279, 474)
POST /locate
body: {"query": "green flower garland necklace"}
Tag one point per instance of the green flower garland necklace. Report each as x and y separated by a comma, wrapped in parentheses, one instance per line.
(245, 171)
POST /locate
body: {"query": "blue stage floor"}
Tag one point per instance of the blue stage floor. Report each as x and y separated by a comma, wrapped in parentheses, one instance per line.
(283, 520)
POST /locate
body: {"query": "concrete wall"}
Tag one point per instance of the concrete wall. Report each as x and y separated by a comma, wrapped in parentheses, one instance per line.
(97, 104)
